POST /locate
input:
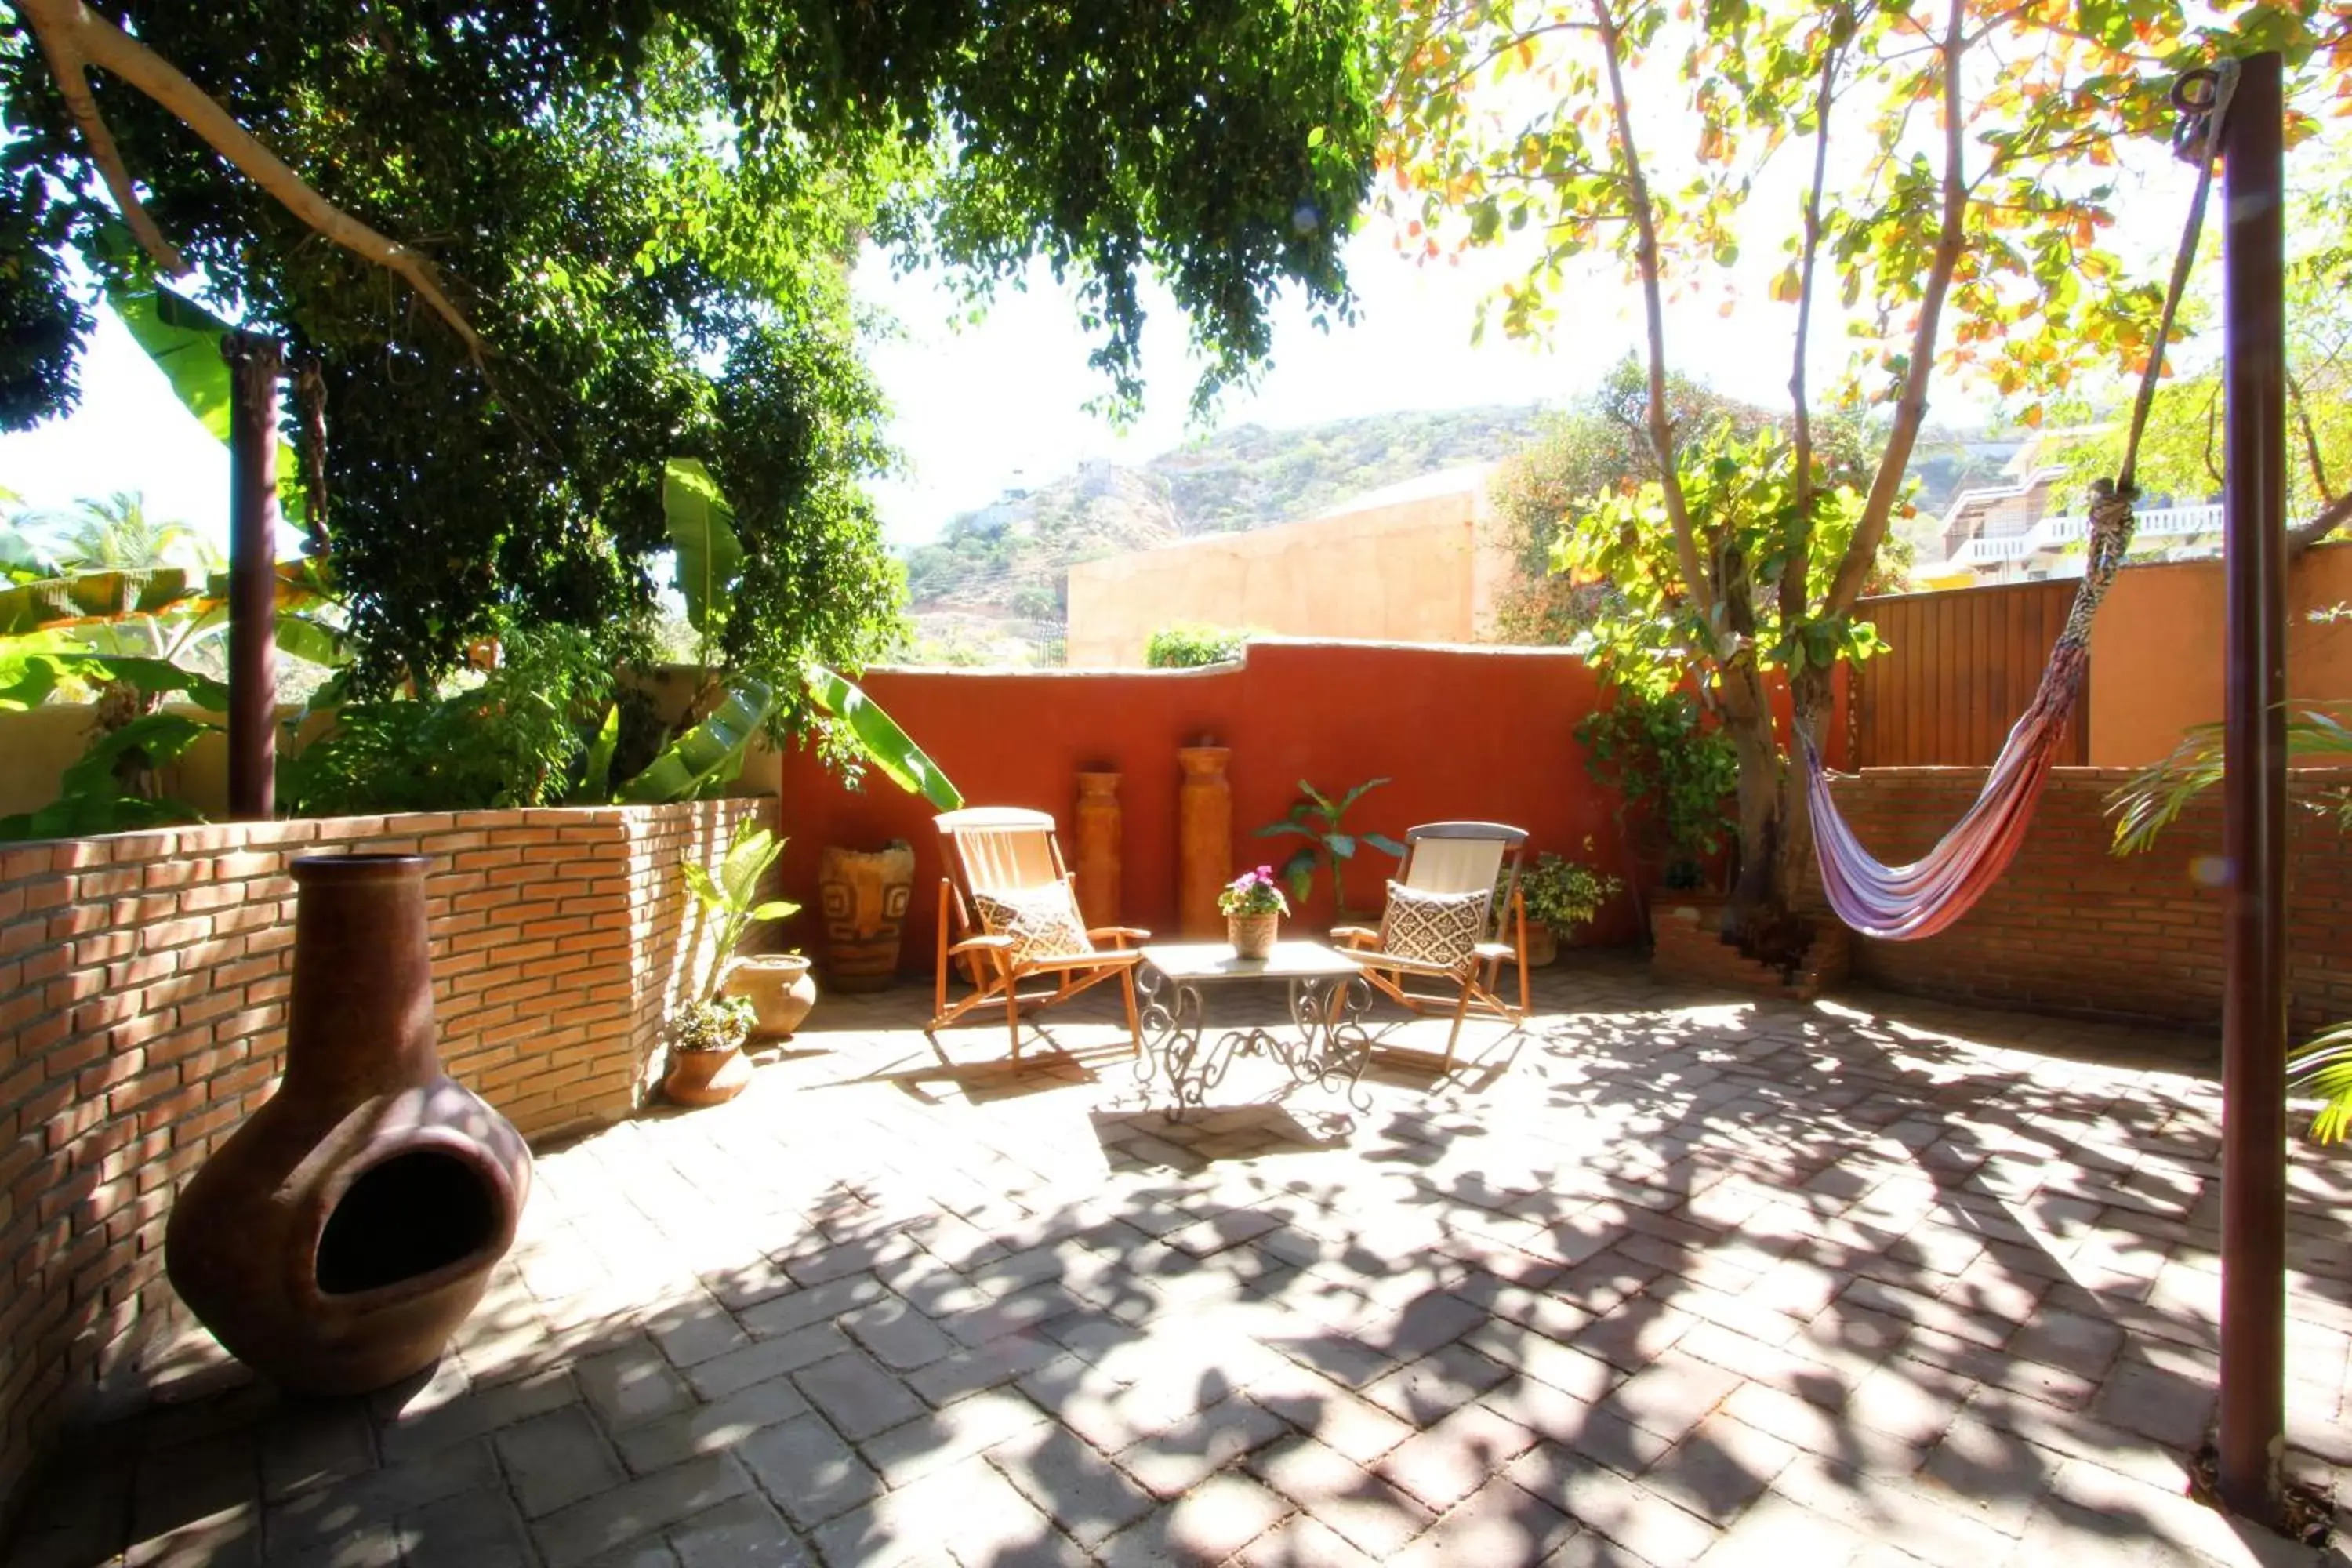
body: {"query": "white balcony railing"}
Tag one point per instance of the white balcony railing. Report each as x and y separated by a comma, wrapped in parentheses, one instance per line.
(2057, 532)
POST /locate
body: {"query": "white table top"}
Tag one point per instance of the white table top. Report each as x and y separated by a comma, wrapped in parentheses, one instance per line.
(1215, 961)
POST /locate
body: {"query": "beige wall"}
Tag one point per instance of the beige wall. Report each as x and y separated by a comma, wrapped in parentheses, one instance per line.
(1418, 569)
(2157, 652)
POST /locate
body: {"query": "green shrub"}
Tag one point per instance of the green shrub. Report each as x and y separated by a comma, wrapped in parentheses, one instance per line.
(1188, 645)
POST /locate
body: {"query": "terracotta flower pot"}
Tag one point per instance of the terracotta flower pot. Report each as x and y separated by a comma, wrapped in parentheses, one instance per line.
(778, 987)
(1253, 935)
(338, 1239)
(1543, 944)
(706, 1078)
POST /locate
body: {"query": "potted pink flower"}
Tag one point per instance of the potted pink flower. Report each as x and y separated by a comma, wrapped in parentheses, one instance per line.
(1253, 906)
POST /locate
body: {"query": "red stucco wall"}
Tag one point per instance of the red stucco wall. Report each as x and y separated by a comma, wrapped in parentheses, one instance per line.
(1462, 732)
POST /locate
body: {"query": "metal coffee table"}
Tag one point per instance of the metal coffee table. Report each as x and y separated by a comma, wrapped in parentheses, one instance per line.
(1326, 1045)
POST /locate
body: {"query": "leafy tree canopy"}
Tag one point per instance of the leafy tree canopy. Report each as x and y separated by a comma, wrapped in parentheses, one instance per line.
(645, 211)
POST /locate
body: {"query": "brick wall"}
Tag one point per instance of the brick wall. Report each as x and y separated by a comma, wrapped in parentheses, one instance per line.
(143, 982)
(2071, 927)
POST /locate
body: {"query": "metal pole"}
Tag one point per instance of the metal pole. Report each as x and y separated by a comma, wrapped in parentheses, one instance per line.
(2254, 1037)
(255, 364)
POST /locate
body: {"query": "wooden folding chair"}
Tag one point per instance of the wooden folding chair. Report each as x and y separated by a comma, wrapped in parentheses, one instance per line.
(1451, 857)
(1002, 861)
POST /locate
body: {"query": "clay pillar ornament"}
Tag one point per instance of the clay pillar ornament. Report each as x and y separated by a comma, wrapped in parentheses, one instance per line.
(1098, 866)
(337, 1239)
(863, 897)
(1204, 839)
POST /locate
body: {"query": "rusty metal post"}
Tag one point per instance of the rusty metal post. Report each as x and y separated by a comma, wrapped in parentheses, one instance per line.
(255, 365)
(2254, 1037)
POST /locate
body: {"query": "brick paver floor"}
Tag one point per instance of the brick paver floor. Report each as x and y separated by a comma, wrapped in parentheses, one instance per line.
(1659, 1280)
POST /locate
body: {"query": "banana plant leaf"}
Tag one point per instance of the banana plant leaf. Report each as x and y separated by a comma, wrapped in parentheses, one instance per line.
(87, 597)
(1383, 843)
(156, 676)
(878, 735)
(183, 339)
(596, 778)
(709, 753)
(702, 532)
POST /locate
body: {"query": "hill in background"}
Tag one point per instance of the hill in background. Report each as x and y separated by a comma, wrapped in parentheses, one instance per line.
(994, 587)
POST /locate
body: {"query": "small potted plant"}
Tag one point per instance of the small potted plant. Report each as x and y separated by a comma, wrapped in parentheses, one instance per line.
(1253, 906)
(1560, 895)
(707, 1035)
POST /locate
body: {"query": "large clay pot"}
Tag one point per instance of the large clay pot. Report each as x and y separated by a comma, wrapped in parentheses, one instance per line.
(1098, 865)
(863, 897)
(1543, 944)
(778, 987)
(337, 1239)
(1204, 839)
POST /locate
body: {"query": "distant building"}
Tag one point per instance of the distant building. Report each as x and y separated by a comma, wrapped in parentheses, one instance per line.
(1409, 563)
(2031, 526)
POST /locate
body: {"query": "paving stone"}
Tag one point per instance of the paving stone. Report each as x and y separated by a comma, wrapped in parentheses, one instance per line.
(1720, 1469)
(312, 1443)
(967, 1508)
(1444, 1380)
(858, 1397)
(935, 1439)
(326, 1513)
(631, 1384)
(1169, 1463)
(1208, 1524)
(741, 1533)
(1449, 1460)
(1302, 1540)
(1375, 1516)
(801, 1307)
(990, 1365)
(1498, 1523)
(709, 1428)
(695, 1330)
(479, 1527)
(1620, 1508)
(895, 1334)
(808, 1469)
(414, 1437)
(555, 1460)
(768, 1359)
(620, 1514)
(1086, 1496)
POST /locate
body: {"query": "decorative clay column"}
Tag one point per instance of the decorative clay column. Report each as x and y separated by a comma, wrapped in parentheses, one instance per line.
(1204, 839)
(1098, 866)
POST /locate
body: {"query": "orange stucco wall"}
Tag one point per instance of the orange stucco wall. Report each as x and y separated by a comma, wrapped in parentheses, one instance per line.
(2157, 652)
(1415, 570)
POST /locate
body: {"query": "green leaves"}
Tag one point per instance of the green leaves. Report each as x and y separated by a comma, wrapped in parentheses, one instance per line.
(710, 755)
(183, 338)
(92, 798)
(1316, 818)
(702, 534)
(732, 899)
(878, 736)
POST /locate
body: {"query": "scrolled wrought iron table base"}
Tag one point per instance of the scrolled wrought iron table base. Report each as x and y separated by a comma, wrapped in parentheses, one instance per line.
(1326, 1045)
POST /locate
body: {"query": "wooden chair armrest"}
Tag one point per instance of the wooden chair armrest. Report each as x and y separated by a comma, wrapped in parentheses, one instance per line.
(1355, 936)
(1121, 935)
(981, 944)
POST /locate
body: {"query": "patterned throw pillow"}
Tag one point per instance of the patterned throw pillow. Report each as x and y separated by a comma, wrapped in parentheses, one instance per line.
(1042, 921)
(1435, 928)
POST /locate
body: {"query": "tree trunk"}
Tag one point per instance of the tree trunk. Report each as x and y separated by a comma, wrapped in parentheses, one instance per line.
(1775, 826)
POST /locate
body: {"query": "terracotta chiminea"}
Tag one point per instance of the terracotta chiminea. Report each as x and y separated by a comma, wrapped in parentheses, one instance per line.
(338, 1239)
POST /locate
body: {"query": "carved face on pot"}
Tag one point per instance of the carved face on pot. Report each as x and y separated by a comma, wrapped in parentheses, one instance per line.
(862, 898)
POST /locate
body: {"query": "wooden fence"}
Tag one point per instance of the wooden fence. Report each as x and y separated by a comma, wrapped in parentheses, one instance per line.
(1960, 668)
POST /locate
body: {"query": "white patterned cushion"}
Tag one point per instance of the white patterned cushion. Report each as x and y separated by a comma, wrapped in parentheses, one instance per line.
(1434, 928)
(1042, 921)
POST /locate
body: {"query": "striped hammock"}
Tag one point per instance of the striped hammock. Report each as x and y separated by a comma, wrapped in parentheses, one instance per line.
(1905, 903)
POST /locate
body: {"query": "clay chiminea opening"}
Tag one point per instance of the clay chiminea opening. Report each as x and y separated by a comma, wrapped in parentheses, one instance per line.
(404, 1217)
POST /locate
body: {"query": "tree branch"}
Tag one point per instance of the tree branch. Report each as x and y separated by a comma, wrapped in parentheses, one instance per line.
(1645, 242)
(73, 35)
(66, 65)
(1911, 408)
(1796, 577)
(2310, 438)
(2326, 520)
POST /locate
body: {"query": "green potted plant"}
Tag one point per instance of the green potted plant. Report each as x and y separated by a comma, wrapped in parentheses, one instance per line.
(1317, 819)
(1560, 895)
(1253, 906)
(707, 1064)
